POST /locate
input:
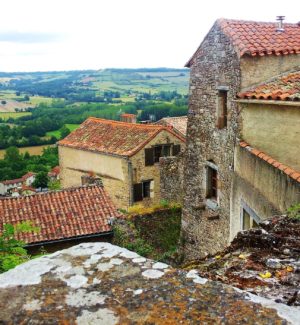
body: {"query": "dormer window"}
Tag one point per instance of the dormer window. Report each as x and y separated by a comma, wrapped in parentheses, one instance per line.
(222, 109)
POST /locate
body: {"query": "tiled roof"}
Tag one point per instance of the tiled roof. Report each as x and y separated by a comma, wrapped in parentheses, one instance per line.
(285, 87)
(13, 181)
(276, 164)
(54, 171)
(179, 123)
(128, 115)
(113, 137)
(259, 38)
(60, 214)
(18, 180)
(27, 175)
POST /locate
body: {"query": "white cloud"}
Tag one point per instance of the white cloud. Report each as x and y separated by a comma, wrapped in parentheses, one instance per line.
(93, 34)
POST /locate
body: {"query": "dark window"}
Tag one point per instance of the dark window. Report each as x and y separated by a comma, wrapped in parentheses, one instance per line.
(149, 156)
(141, 191)
(146, 189)
(137, 192)
(166, 150)
(212, 183)
(176, 149)
(248, 221)
(152, 155)
(157, 153)
(222, 109)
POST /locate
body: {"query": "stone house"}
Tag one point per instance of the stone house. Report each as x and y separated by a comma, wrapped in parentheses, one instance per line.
(63, 217)
(177, 123)
(243, 150)
(125, 156)
(9, 186)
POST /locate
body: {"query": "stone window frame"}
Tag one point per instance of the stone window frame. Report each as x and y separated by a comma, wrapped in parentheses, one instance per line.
(211, 203)
(245, 207)
(222, 112)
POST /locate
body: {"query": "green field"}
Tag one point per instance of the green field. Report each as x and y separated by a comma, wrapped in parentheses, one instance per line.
(35, 100)
(6, 116)
(36, 150)
(56, 133)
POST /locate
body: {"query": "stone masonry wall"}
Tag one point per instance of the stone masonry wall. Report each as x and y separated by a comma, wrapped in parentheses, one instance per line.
(144, 173)
(171, 178)
(205, 231)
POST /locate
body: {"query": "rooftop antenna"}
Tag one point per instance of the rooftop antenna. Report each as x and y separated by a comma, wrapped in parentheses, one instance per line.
(280, 20)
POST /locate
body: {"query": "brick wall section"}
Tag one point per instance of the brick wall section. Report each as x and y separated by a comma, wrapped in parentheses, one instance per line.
(171, 178)
(217, 64)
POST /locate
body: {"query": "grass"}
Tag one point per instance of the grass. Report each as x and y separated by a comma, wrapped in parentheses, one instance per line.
(152, 234)
(36, 150)
(35, 100)
(56, 133)
(5, 116)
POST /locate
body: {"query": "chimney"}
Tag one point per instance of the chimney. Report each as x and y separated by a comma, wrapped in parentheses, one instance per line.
(280, 20)
(129, 118)
(91, 180)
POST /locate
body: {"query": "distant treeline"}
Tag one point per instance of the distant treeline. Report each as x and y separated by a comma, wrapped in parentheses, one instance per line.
(30, 130)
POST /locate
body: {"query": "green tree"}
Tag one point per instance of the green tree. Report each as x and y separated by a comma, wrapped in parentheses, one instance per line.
(12, 251)
(41, 180)
(64, 131)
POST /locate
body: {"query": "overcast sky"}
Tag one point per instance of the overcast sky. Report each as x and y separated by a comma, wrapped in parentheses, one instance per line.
(40, 35)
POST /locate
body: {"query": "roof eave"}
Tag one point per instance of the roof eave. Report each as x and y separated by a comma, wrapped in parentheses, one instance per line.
(268, 102)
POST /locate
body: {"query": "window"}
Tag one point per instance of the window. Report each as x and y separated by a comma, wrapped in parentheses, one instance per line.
(153, 154)
(141, 190)
(248, 221)
(157, 153)
(222, 109)
(212, 183)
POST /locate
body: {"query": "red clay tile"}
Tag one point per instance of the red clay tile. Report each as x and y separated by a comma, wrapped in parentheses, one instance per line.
(258, 38)
(113, 137)
(61, 214)
(284, 87)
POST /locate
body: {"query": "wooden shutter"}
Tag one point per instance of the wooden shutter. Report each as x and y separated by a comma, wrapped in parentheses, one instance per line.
(137, 192)
(176, 149)
(149, 156)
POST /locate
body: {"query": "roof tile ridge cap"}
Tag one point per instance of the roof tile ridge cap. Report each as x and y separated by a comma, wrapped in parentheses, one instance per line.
(69, 189)
(99, 120)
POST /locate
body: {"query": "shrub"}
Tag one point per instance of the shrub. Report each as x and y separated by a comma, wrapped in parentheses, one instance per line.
(294, 211)
(12, 251)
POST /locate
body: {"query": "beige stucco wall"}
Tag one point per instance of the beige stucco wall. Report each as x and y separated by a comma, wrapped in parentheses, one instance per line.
(273, 129)
(144, 173)
(255, 70)
(265, 189)
(117, 173)
(112, 170)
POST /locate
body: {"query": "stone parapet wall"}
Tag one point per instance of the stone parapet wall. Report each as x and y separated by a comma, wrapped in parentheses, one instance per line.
(98, 283)
(171, 178)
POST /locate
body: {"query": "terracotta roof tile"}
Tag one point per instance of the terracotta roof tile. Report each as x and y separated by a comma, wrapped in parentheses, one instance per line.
(54, 171)
(113, 137)
(259, 38)
(285, 87)
(60, 214)
(284, 168)
(179, 123)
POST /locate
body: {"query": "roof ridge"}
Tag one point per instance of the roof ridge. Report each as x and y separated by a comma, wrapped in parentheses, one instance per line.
(96, 119)
(69, 189)
(220, 20)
